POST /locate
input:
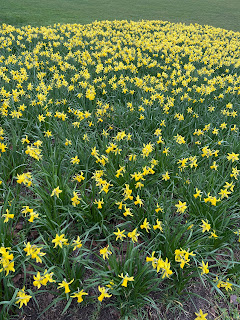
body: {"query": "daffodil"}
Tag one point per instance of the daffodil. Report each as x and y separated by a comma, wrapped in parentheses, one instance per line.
(79, 295)
(22, 298)
(201, 315)
(125, 278)
(233, 156)
(133, 235)
(205, 226)
(65, 285)
(56, 192)
(8, 216)
(204, 268)
(77, 243)
(104, 293)
(60, 241)
(105, 252)
(145, 225)
(181, 206)
(120, 234)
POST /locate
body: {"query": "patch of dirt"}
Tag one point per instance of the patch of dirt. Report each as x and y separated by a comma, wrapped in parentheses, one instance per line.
(75, 312)
(184, 308)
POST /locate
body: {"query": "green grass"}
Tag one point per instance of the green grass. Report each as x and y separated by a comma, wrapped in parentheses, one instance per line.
(218, 13)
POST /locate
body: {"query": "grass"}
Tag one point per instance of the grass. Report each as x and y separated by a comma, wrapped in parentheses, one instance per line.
(218, 13)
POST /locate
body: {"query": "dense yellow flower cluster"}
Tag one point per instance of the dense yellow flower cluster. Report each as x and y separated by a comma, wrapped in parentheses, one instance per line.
(6, 260)
(121, 126)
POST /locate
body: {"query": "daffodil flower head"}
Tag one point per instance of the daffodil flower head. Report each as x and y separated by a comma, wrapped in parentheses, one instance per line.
(105, 252)
(104, 293)
(22, 297)
(79, 295)
(60, 241)
(125, 278)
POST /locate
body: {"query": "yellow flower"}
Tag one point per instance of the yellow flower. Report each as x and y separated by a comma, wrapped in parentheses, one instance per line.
(56, 192)
(233, 156)
(111, 284)
(125, 278)
(99, 203)
(165, 176)
(159, 208)
(33, 215)
(75, 199)
(25, 140)
(105, 252)
(200, 315)
(204, 268)
(139, 185)
(77, 243)
(213, 234)
(6, 260)
(224, 193)
(65, 285)
(34, 152)
(227, 285)
(104, 293)
(205, 226)
(41, 117)
(133, 235)
(48, 134)
(120, 234)
(22, 298)
(47, 277)
(221, 284)
(127, 192)
(60, 240)
(198, 193)
(68, 142)
(90, 93)
(145, 225)
(180, 139)
(166, 272)
(214, 165)
(37, 280)
(25, 178)
(147, 149)
(132, 157)
(79, 177)
(152, 259)
(212, 200)
(183, 256)
(79, 295)
(8, 216)
(235, 173)
(181, 206)
(75, 160)
(34, 252)
(158, 225)
(138, 201)
(166, 151)
(223, 126)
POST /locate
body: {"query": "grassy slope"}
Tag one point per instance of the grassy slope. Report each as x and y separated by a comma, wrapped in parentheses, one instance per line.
(218, 13)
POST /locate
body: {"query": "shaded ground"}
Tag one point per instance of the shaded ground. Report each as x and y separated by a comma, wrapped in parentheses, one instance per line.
(201, 298)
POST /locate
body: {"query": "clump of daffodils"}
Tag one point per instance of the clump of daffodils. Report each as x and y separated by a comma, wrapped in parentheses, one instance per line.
(118, 135)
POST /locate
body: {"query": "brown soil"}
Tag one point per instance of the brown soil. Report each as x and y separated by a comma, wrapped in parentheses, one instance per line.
(190, 305)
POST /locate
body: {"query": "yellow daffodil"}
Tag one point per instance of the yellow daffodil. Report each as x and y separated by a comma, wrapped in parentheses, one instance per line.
(56, 192)
(65, 285)
(79, 295)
